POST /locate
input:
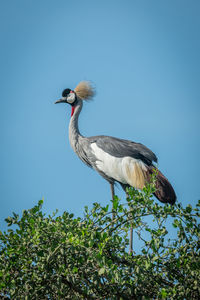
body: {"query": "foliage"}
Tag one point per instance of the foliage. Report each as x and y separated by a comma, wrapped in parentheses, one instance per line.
(65, 257)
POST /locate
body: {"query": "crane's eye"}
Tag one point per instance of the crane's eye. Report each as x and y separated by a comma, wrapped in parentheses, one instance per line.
(71, 98)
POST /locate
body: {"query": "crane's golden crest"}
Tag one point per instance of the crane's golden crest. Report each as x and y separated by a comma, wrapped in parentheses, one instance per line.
(85, 90)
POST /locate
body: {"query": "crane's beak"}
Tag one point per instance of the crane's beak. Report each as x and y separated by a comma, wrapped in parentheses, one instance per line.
(60, 101)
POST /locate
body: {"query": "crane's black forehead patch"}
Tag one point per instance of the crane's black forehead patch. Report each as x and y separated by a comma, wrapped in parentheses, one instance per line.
(66, 92)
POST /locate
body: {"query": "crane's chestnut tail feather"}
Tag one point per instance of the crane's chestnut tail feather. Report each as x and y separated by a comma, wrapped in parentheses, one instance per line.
(164, 190)
(138, 176)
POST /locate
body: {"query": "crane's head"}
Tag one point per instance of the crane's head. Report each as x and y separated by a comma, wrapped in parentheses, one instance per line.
(83, 91)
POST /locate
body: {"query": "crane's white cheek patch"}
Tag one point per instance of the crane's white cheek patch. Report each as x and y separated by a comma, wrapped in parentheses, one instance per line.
(71, 98)
(126, 170)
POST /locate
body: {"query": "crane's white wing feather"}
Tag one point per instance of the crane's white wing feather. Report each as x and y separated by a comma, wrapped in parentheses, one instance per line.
(126, 170)
(123, 148)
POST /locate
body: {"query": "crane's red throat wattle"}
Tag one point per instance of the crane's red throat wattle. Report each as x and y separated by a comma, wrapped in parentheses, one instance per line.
(73, 109)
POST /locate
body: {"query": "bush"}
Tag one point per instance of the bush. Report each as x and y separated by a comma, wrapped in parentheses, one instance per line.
(65, 257)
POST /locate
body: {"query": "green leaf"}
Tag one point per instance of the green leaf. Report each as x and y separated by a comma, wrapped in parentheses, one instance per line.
(163, 293)
(88, 256)
(75, 270)
(115, 203)
(188, 208)
(101, 271)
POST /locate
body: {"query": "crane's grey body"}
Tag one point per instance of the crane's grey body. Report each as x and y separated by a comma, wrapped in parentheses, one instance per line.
(118, 148)
(121, 148)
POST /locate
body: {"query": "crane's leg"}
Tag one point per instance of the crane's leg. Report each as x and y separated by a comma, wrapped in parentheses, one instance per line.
(113, 194)
(131, 234)
(125, 186)
(131, 240)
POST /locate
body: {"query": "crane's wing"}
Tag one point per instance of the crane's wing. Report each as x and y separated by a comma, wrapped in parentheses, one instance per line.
(121, 148)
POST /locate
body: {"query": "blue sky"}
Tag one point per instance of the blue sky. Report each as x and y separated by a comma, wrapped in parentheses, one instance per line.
(144, 59)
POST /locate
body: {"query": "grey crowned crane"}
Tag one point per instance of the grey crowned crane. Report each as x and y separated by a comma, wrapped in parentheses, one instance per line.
(116, 160)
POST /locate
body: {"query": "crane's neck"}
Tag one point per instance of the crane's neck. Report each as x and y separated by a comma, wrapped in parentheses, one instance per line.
(74, 133)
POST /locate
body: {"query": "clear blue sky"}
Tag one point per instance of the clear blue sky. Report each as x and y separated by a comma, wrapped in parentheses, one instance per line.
(144, 58)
